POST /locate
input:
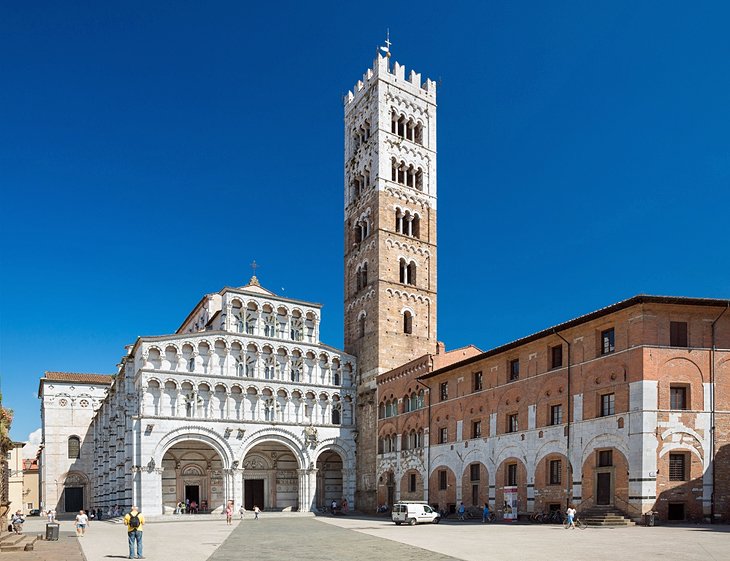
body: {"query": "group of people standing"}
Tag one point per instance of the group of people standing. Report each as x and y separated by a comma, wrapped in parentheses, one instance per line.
(189, 507)
(342, 508)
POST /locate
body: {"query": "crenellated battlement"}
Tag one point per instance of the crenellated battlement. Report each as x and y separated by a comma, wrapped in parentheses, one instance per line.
(381, 70)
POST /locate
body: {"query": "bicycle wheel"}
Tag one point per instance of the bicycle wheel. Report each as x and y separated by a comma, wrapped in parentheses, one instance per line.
(582, 525)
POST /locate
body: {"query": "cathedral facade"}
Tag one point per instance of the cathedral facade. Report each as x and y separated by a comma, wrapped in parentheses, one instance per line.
(242, 403)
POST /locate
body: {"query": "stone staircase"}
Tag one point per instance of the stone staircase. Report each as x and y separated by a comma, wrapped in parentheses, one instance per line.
(607, 516)
(16, 542)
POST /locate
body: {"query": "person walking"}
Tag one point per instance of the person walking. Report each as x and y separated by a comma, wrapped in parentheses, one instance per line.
(462, 511)
(256, 512)
(241, 511)
(82, 520)
(229, 513)
(571, 517)
(485, 513)
(134, 521)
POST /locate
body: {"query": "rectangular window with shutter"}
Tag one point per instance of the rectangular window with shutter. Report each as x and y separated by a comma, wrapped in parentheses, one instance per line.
(608, 404)
(555, 472)
(678, 334)
(678, 398)
(443, 482)
(511, 474)
(512, 423)
(678, 467)
(556, 356)
(477, 382)
(514, 369)
(444, 391)
(556, 414)
(608, 341)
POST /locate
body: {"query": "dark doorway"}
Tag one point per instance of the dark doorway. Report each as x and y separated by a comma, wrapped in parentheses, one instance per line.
(192, 493)
(253, 490)
(73, 499)
(675, 511)
(603, 489)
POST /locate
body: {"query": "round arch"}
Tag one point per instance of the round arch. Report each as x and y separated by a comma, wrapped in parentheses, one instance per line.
(199, 434)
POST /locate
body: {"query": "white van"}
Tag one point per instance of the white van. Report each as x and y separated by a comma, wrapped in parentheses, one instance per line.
(414, 512)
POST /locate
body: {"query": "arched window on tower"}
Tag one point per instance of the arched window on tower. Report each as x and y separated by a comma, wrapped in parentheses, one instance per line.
(407, 322)
(364, 276)
(74, 447)
(361, 325)
(412, 273)
(416, 226)
(418, 137)
(410, 177)
(419, 179)
(398, 221)
(336, 417)
(403, 270)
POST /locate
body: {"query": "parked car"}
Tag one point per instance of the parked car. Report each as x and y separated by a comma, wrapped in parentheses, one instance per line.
(35, 512)
(414, 512)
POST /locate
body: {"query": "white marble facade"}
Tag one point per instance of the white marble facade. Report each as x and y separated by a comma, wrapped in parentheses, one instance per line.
(241, 403)
(68, 402)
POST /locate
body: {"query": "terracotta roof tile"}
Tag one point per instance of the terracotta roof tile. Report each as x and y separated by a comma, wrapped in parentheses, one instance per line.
(79, 377)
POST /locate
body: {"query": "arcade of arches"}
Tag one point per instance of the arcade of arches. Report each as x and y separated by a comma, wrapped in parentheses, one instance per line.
(269, 477)
(603, 481)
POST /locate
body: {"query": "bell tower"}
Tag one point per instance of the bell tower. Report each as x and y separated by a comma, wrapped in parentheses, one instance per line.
(390, 237)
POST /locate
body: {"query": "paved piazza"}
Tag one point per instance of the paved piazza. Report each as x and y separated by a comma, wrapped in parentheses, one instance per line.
(277, 537)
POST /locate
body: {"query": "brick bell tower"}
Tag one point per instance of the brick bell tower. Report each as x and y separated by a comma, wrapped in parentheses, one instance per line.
(390, 237)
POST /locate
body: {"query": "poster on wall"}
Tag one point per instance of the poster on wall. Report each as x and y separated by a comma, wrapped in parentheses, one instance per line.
(510, 503)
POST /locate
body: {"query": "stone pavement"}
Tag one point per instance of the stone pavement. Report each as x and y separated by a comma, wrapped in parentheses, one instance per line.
(274, 539)
(473, 541)
(193, 540)
(374, 539)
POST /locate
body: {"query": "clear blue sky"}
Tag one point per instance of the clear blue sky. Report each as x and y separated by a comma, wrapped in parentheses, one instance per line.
(150, 151)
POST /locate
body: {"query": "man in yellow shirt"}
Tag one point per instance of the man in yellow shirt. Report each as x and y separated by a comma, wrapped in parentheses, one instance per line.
(134, 521)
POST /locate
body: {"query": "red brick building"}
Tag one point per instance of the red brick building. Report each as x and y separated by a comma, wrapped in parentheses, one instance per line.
(629, 393)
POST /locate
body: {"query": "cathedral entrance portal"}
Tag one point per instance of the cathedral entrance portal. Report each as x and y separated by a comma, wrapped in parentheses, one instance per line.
(254, 493)
(193, 470)
(271, 477)
(192, 494)
(329, 479)
(73, 499)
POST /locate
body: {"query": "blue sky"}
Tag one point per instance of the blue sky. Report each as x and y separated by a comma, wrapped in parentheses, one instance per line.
(150, 151)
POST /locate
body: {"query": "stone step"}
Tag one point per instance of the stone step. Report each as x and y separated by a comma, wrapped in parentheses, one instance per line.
(594, 522)
(25, 543)
(10, 539)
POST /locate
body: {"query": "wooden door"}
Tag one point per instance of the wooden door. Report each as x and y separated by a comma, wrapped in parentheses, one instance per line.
(603, 489)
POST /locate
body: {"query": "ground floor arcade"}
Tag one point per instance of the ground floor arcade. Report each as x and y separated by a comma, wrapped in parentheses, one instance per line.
(272, 469)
